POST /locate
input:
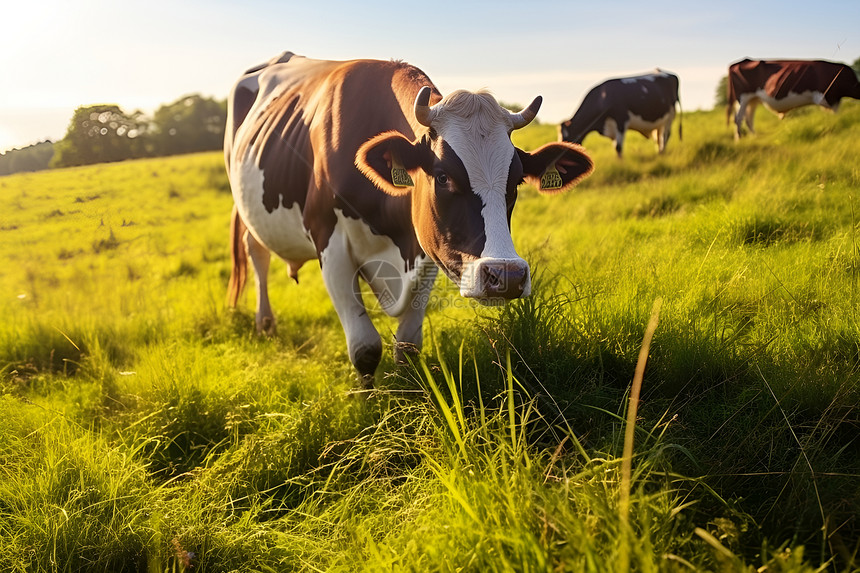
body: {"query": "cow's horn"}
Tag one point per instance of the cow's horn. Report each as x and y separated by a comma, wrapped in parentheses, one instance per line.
(526, 116)
(423, 112)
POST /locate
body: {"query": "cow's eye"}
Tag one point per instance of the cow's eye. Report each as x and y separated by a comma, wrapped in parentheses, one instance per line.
(442, 179)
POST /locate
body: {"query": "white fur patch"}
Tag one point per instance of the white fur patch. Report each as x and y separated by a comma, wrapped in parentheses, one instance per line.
(791, 101)
(637, 123)
(481, 139)
(381, 264)
(610, 128)
(281, 231)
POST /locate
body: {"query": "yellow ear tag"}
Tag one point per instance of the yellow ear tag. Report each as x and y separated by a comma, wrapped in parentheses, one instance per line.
(399, 176)
(551, 179)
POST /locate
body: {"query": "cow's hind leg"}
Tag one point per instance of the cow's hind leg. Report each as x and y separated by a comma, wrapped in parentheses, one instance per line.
(260, 258)
(363, 342)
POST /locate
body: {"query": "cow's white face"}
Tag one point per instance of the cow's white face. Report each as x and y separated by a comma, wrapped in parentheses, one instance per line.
(465, 172)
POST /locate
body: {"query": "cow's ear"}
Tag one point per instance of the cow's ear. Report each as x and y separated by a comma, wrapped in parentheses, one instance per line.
(391, 162)
(556, 167)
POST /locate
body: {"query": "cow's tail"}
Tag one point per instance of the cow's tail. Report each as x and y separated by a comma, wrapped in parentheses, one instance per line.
(680, 120)
(238, 259)
(730, 97)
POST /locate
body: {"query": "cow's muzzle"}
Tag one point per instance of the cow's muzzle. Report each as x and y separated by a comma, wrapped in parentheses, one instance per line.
(496, 280)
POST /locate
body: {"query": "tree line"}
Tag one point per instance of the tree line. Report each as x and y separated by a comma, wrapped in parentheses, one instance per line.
(31, 158)
(105, 133)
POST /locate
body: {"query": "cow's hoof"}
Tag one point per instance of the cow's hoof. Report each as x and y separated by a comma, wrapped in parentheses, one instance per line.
(406, 353)
(366, 359)
(266, 327)
(366, 381)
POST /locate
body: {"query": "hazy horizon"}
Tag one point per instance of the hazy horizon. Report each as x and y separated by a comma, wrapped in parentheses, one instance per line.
(140, 56)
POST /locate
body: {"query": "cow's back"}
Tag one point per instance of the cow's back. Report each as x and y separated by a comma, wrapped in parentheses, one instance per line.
(294, 127)
(242, 97)
(648, 96)
(787, 77)
(651, 96)
(780, 78)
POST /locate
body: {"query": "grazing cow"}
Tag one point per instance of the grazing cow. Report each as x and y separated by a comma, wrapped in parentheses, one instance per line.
(783, 85)
(643, 103)
(363, 165)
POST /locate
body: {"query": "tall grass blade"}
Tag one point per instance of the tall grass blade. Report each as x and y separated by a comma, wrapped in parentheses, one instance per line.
(512, 420)
(444, 408)
(715, 543)
(630, 427)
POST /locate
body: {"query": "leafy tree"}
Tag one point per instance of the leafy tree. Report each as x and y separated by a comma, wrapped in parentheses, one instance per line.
(856, 66)
(192, 123)
(101, 133)
(721, 98)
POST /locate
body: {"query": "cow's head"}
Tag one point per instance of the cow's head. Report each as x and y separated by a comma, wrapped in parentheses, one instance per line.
(564, 131)
(463, 176)
(571, 133)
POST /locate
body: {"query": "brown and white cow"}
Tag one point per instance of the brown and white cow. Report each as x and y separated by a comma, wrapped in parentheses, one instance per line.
(643, 103)
(783, 85)
(363, 165)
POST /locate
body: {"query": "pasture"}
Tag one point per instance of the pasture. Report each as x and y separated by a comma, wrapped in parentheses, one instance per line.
(146, 428)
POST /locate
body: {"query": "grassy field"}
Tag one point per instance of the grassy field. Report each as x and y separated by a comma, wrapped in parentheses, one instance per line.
(145, 428)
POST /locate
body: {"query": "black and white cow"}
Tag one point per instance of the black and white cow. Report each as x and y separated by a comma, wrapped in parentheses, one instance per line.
(644, 103)
(783, 85)
(363, 163)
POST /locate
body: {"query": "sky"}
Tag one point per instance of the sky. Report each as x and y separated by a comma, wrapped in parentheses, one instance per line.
(57, 55)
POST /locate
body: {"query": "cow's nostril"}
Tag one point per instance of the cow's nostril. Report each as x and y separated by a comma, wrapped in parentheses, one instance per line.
(491, 277)
(504, 279)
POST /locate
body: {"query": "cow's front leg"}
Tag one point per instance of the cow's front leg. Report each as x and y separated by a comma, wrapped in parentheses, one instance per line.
(657, 138)
(750, 117)
(663, 134)
(739, 120)
(260, 258)
(619, 142)
(363, 343)
(409, 337)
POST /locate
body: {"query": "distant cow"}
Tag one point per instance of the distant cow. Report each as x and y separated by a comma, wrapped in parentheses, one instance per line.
(644, 103)
(783, 85)
(364, 165)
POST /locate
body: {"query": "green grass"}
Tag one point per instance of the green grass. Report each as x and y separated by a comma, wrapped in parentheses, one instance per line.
(145, 428)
